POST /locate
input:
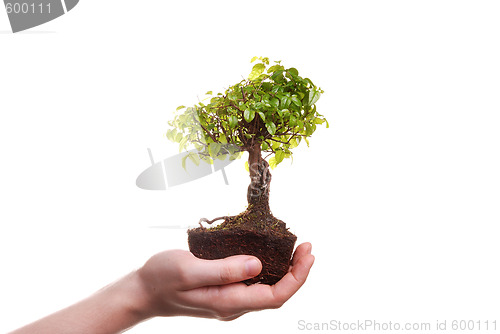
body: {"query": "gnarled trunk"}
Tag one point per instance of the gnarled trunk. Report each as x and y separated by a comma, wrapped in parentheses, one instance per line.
(260, 179)
(253, 232)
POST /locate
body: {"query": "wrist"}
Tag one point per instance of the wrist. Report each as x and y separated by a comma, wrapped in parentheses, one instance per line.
(136, 299)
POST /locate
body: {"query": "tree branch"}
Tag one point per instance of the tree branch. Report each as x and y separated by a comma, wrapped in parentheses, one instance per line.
(270, 149)
(243, 94)
(206, 131)
(235, 107)
(270, 153)
(279, 141)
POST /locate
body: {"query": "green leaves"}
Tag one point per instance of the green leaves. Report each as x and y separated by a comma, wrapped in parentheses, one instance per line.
(262, 116)
(275, 107)
(264, 60)
(257, 70)
(318, 120)
(275, 68)
(274, 102)
(233, 121)
(279, 156)
(296, 101)
(272, 163)
(313, 97)
(278, 77)
(171, 134)
(285, 101)
(182, 144)
(271, 128)
(309, 129)
(293, 71)
(194, 157)
(214, 149)
(249, 115)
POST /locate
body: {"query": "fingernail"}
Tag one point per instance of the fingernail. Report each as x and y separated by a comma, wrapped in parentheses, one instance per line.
(252, 267)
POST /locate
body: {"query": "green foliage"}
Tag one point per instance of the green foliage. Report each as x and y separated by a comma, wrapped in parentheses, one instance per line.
(274, 108)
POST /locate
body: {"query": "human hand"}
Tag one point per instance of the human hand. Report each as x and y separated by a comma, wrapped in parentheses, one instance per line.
(175, 282)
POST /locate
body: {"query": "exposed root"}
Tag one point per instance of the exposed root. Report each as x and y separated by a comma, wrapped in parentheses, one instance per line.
(205, 220)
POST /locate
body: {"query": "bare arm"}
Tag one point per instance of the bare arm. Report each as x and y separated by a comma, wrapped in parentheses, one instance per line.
(112, 309)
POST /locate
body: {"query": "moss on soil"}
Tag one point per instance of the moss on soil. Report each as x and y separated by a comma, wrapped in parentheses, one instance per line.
(254, 219)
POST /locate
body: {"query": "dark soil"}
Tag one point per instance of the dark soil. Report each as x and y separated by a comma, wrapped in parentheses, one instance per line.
(253, 232)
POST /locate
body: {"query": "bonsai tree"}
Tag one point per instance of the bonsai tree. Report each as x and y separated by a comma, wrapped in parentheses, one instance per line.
(267, 115)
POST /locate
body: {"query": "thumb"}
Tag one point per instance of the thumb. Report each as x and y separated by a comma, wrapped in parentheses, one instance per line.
(224, 271)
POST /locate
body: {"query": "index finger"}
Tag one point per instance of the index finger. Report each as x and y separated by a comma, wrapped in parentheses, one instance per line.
(294, 279)
(260, 296)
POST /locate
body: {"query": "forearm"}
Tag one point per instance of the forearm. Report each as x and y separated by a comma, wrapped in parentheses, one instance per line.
(112, 309)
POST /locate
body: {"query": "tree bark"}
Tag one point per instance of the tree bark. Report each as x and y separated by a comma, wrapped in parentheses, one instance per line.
(260, 179)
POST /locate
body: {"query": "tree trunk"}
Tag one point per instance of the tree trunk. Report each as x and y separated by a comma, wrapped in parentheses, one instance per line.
(260, 176)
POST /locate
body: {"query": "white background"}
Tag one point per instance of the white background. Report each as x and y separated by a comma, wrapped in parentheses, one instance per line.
(400, 197)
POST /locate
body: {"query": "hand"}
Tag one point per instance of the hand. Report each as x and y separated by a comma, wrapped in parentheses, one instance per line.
(175, 282)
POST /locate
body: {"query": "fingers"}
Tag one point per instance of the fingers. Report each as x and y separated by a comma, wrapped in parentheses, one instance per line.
(302, 249)
(220, 272)
(183, 284)
(237, 297)
(296, 277)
